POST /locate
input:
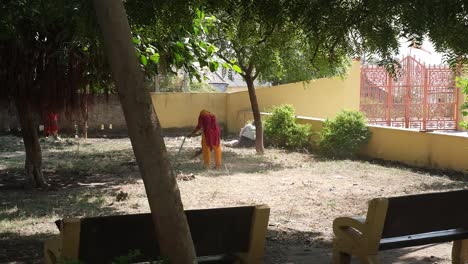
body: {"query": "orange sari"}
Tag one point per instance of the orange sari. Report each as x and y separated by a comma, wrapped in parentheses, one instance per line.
(211, 138)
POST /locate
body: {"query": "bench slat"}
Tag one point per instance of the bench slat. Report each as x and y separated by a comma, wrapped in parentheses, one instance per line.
(423, 239)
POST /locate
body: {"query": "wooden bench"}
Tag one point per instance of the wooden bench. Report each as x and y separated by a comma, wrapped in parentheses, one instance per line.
(404, 221)
(221, 235)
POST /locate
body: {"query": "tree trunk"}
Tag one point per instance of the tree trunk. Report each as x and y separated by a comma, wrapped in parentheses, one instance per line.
(33, 162)
(85, 130)
(157, 81)
(85, 125)
(185, 83)
(256, 114)
(145, 134)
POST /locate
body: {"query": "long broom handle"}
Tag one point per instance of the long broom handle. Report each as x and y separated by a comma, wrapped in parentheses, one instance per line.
(177, 157)
(181, 145)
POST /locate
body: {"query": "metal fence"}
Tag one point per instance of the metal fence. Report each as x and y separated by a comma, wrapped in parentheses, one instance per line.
(418, 97)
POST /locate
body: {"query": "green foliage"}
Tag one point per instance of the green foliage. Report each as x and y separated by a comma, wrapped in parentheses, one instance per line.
(130, 258)
(282, 129)
(186, 48)
(342, 136)
(265, 44)
(161, 260)
(55, 51)
(462, 83)
(293, 64)
(171, 83)
(175, 82)
(201, 87)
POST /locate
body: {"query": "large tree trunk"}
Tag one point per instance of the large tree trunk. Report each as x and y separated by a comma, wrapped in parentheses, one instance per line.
(33, 163)
(145, 134)
(256, 114)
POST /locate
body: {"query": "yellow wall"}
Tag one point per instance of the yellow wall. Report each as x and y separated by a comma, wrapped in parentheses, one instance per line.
(177, 110)
(418, 148)
(320, 98)
(399, 145)
(431, 150)
(233, 89)
(449, 151)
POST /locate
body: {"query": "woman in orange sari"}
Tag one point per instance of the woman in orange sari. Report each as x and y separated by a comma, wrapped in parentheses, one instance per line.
(210, 137)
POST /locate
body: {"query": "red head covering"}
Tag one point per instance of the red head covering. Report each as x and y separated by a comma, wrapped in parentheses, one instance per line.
(207, 122)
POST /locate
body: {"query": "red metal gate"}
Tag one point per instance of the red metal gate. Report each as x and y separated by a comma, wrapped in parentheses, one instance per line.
(420, 97)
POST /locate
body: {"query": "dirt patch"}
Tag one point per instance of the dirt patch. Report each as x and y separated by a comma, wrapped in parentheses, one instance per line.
(305, 193)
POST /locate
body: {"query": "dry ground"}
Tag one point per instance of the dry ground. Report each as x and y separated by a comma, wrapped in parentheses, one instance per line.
(305, 193)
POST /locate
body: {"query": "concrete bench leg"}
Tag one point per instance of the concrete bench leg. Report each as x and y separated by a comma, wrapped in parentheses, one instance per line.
(340, 257)
(460, 252)
(52, 251)
(259, 228)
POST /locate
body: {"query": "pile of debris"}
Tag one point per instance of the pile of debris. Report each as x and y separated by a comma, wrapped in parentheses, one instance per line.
(185, 176)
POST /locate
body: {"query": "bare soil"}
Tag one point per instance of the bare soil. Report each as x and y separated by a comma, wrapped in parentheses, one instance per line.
(305, 193)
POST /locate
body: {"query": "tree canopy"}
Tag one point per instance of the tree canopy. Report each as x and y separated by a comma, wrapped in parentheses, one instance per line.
(374, 27)
(51, 50)
(259, 33)
(268, 43)
(297, 40)
(48, 53)
(307, 35)
(52, 56)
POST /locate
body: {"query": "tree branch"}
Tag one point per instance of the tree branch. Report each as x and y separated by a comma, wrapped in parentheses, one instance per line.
(228, 61)
(254, 77)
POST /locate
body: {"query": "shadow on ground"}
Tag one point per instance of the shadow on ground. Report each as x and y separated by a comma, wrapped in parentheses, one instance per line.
(70, 169)
(24, 205)
(233, 162)
(16, 248)
(79, 181)
(37, 211)
(451, 174)
(438, 186)
(66, 166)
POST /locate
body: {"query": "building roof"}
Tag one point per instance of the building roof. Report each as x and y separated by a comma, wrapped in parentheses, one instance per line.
(236, 81)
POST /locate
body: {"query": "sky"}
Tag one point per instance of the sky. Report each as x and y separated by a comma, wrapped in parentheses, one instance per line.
(427, 54)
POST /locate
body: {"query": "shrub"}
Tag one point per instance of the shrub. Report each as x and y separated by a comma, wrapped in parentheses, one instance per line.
(342, 136)
(282, 129)
(462, 83)
(201, 87)
(132, 256)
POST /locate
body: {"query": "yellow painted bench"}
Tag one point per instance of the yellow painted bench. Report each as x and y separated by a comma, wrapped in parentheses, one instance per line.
(220, 235)
(404, 221)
